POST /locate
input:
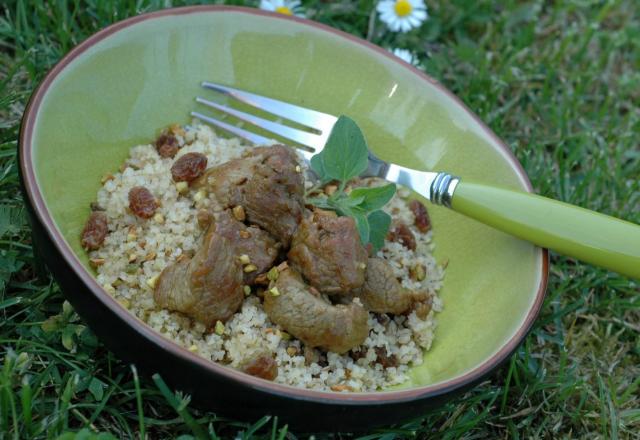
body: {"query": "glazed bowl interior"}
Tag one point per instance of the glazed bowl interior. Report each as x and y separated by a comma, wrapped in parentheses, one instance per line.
(140, 77)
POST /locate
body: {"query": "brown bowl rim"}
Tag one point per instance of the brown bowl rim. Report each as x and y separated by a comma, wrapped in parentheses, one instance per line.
(378, 397)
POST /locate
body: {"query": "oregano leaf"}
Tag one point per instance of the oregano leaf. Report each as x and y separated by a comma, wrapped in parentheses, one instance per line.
(379, 222)
(345, 155)
(374, 198)
(317, 166)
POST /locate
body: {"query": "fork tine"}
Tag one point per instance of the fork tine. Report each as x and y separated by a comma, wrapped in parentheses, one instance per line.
(251, 137)
(302, 137)
(310, 118)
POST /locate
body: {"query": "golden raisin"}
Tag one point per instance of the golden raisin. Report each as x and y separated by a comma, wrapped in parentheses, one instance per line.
(95, 230)
(167, 145)
(384, 359)
(402, 234)
(422, 221)
(141, 202)
(263, 366)
(189, 167)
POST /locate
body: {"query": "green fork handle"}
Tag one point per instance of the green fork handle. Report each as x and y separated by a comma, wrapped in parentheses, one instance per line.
(570, 230)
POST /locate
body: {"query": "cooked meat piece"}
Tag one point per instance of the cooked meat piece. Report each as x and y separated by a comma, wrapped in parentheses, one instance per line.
(262, 365)
(382, 293)
(208, 287)
(266, 183)
(313, 320)
(204, 218)
(260, 248)
(328, 252)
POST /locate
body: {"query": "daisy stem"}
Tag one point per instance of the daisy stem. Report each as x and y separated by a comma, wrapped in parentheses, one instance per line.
(372, 25)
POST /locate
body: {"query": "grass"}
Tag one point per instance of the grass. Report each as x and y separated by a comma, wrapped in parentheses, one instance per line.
(558, 81)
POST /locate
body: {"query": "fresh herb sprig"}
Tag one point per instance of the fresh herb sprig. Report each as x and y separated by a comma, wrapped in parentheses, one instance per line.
(344, 157)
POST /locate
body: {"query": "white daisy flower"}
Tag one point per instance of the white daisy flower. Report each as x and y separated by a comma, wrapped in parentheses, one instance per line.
(402, 15)
(406, 55)
(286, 7)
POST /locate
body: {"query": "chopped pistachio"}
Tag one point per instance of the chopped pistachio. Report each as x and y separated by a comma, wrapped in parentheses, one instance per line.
(238, 213)
(292, 351)
(250, 268)
(131, 268)
(244, 259)
(150, 256)
(418, 272)
(151, 282)
(124, 302)
(285, 336)
(194, 348)
(132, 258)
(182, 187)
(109, 288)
(247, 290)
(131, 236)
(199, 196)
(219, 329)
(330, 189)
(274, 291)
(95, 262)
(340, 388)
(159, 218)
(177, 130)
(273, 273)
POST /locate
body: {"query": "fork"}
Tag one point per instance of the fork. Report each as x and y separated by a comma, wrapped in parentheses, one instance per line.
(567, 229)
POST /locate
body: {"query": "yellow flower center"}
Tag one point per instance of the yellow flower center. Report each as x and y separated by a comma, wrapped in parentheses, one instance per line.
(403, 8)
(284, 10)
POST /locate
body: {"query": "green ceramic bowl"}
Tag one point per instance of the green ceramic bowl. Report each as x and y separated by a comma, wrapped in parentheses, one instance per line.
(120, 86)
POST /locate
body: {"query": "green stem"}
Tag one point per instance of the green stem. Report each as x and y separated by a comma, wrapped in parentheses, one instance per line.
(179, 408)
(136, 382)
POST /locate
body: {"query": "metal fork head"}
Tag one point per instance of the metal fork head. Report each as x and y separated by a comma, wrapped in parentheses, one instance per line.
(436, 187)
(318, 123)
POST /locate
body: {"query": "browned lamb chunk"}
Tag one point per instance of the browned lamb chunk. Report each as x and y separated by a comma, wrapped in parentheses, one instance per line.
(382, 293)
(313, 320)
(207, 287)
(328, 252)
(267, 183)
(257, 245)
